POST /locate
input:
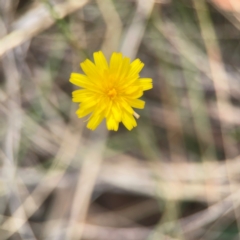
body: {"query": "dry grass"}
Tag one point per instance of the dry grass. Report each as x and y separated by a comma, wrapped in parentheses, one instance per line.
(176, 176)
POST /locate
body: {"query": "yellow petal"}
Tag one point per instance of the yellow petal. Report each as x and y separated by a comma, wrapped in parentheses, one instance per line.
(81, 95)
(128, 121)
(82, 112)
(125, 68)
(89, 102)
(92, 73)
(80, 80)
(125, 106)
(136, 67)
(112, 124)
(97, 115)
(133, 92)
(132, 89)
(115, 62)
(108, 108)
(87, 107)
(146, 83)
(94, 121)
(128, 81)
(136, 103)
(116, 112)
(100, 60)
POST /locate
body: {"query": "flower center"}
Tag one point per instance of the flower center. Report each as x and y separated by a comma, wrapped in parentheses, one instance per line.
(112, 93)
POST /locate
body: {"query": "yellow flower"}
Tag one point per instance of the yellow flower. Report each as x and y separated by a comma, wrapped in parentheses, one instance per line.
(110, 90)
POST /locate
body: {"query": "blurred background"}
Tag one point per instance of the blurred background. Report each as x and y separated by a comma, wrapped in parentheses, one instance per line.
(175, 176)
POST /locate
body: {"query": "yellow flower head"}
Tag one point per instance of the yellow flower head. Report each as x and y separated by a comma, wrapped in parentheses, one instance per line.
(110, 90)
